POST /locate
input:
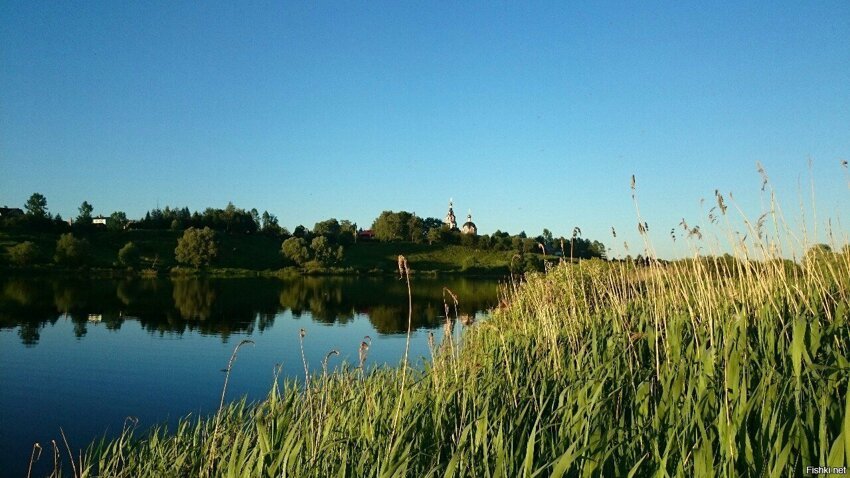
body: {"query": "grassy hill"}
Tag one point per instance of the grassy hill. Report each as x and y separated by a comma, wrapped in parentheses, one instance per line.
(262, 253)
(423, 257)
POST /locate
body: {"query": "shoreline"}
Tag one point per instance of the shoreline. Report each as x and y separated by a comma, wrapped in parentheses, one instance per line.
(236, 273)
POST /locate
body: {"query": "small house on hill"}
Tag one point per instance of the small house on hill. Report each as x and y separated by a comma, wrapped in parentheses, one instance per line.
(10, 212)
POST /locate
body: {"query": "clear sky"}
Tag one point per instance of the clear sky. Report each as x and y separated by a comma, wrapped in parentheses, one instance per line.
(530, 114)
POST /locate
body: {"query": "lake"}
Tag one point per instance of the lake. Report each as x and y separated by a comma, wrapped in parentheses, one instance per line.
(85, 354)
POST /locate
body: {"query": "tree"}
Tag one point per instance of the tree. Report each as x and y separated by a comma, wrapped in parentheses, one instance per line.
(324, 252)
(85, 213)
(431, 223)
(230, 219)
(23, 254)
(533, 263)
(347, 232)
(468, 240)
(129, 255)
(197, 247)
(71, 251)
(597, 249)
(449, 235)
(434, 235)
(230, 213)
(255, 216)
(500, 241)
(388, 227)
(818, 251)
(269, 224)
(818, 256)
(431, 227)
(116, 221)
(329, 228)
(36, 206)
(393, 226)
(416, 229)
(301, 231)
(516, 243)
(548, 240)
(295, 249)
(484, 242)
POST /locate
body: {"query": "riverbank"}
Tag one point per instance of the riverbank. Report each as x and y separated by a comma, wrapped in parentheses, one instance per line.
(597, 369)
(259, 256)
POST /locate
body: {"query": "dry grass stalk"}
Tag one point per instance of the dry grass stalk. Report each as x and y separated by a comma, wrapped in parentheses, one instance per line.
(33, 457)
(56, 470)
(70, 454)
(211, 458)
(404, 273)
(363, 352)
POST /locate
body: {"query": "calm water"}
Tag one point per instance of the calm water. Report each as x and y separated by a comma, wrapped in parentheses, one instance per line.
(85, 354)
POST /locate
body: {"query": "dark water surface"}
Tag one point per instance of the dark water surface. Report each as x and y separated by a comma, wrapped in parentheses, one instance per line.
(85, 354)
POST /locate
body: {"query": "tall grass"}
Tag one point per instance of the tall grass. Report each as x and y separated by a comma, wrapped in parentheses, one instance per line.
(702, 367)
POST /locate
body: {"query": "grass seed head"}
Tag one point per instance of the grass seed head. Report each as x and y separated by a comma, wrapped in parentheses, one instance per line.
(403, 268)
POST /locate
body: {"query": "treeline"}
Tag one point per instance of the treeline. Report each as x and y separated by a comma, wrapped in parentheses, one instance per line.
(322, 242)
(36, 217)
(321, 246)
(405, 226)
(230, 219)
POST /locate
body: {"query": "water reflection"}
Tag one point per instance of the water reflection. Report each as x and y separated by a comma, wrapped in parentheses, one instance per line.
(224, 306)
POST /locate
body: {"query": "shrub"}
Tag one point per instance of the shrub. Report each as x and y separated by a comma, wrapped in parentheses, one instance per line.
(197, 247)
(23, 254)
(295, 249)
(129, 255)
(71, 251)
(324, 252)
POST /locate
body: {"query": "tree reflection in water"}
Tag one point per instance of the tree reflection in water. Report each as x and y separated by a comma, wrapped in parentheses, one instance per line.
(224, 306)
(194, 298)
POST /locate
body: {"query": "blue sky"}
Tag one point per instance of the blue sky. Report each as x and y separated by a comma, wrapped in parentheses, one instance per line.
(530, 114)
